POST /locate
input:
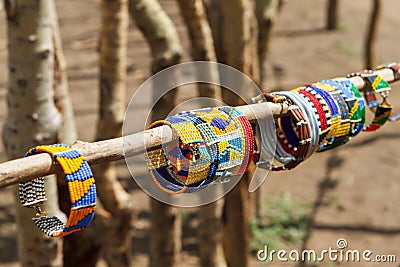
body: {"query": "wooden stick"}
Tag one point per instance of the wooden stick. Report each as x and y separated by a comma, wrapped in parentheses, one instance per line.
(24, 169)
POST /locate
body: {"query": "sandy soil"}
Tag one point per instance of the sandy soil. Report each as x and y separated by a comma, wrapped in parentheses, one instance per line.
(358, 184)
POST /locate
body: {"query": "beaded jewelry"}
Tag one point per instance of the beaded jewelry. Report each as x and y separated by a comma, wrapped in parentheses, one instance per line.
(159, 167)
(230, 138)
(247, 137)
(319, 109)
(306, 108)
(357, 110)
(375, 84)
(395, 68)
(190, 162)
(305, 140)
(342, 132)
(174, 169)
(334, 119)
(82, 191)
(211, 140)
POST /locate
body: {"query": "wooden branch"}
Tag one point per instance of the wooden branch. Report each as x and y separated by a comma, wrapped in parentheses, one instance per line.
(24, 169)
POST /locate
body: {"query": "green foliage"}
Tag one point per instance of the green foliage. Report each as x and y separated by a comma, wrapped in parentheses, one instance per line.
(343, 28)
(283, 223)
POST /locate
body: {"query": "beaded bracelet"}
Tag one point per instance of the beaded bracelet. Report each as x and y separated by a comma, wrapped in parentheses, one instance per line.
(304, 137)
(342, 133)
(160, 168)
(319, 109)
(247, 137)
(230, 138)
(306, 109)
(211, 141)
(182, 167)
(357, 110)
(81, 186)
(190, 163)
(375, 84)
(334, 119)
(395, 68)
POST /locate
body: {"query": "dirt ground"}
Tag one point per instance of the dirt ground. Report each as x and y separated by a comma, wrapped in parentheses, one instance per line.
(355, 188)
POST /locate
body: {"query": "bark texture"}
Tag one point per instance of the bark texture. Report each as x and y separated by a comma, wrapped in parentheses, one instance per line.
(209, 235)
(166, 50)
(372, 32)
(267, 12)
(32, 115)
(209, 232)
(202, 44)
(332, 16)
(113, 53)
(239, 46)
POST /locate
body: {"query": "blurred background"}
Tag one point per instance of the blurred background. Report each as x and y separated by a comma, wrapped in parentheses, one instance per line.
(351, 192)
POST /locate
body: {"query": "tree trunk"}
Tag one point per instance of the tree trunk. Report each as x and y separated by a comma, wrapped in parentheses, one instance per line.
(68, 133)
(267, 13)
(113, 52)
(32, 115)
(370, 40)
(166, 50)
(240, 28)
(200, 35)
(213, 10)
(332, 16)
(209, 232)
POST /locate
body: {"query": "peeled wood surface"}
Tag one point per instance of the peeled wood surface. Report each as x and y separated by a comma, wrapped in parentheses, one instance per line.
(23, 169)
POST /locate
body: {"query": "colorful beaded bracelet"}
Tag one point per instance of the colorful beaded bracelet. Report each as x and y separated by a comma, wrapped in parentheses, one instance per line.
(211, 140)
(190, 162)
(247, 137)
(395, 68)
(81, 186)
(375, 84)
(319, 109)
(342, 132)
(312, 118)
(348, 106)
(160, 169)
(180, 167)
(304, 137)
(357, 111)
(335, 117)
(230, 138)
(327, 113)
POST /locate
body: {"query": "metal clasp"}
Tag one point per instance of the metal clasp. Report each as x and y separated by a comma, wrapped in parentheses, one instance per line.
(39, 212)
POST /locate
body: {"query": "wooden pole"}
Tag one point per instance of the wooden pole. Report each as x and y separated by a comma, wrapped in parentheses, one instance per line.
(24, 169)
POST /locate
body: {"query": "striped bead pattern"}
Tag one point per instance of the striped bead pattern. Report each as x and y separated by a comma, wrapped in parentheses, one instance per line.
(81, 186)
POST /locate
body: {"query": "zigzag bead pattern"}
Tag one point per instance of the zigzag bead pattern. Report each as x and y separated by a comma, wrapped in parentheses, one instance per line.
(81, 186)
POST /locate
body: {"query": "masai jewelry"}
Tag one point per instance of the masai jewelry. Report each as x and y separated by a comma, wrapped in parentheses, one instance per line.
(230, 136)
(334, 119)
(395, 68)
(342, 132)
(247, 137)
(312, 118)
(357, 109)
(304, 137)
(82, 191)
(375, 84)
(173, 167)
(319, 110)
(265, 137)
